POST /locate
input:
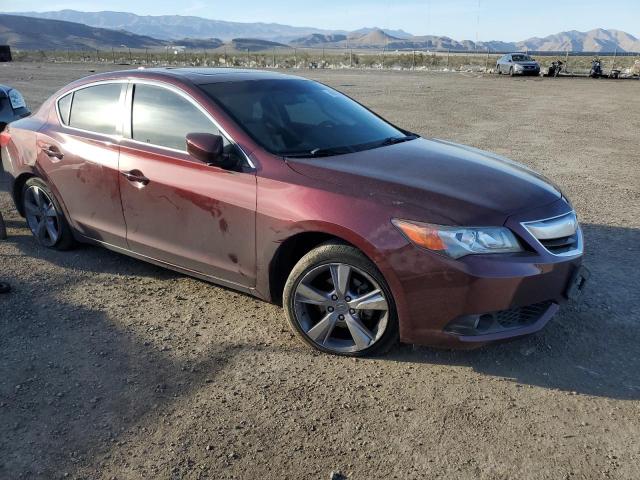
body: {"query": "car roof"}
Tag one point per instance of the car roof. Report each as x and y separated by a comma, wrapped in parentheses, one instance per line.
(201, 76)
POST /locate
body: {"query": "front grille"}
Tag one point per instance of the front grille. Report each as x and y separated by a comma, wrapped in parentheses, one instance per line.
(516, 317)
(561, 245)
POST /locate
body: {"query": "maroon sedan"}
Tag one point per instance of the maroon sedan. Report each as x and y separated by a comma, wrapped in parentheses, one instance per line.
(288, 190)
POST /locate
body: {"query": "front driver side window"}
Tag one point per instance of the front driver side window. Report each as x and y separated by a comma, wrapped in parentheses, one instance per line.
(164, 118)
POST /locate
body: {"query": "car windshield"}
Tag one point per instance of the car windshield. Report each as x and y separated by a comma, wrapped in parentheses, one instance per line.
(521, 58)
(302, 118)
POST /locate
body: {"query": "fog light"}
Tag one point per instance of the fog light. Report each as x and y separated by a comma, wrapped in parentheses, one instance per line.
(466, 325)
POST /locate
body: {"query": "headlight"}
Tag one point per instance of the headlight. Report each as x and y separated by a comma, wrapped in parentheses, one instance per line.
(517, 66)
(457, 242)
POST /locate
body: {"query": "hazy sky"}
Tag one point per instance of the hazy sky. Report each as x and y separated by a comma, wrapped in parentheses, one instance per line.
(460, 19)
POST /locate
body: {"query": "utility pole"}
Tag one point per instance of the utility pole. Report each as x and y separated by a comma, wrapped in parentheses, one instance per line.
(486, 62)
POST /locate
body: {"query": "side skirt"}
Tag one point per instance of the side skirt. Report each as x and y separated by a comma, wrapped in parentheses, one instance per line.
(191, 273)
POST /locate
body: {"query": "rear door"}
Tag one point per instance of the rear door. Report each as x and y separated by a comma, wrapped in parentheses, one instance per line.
(177, 209)
(79, 155)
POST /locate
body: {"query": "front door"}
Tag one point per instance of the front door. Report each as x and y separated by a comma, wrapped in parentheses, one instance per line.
(177, 209)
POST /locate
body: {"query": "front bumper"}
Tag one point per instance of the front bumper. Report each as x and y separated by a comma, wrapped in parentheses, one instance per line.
(505, 295)
(533, 71)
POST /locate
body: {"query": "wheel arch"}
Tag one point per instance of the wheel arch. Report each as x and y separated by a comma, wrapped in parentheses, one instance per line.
(18, 186)
(297, 245)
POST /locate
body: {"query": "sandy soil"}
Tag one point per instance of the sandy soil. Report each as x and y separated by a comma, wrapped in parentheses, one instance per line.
(113, 368)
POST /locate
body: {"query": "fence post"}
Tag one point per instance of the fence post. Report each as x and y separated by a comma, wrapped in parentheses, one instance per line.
(615, 54)
(146, 56)
(486, 63)
(566, 62)
(225, 56)
(350, 57)
(448, 53)
(295, 57)
(413, 61)
(274, 57)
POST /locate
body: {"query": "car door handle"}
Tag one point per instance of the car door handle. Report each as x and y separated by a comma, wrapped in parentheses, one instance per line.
(51, 151)
(135, 176)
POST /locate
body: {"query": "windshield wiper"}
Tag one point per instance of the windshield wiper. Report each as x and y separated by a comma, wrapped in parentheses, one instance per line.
(319, 152)
(394, 140)
(328, 152)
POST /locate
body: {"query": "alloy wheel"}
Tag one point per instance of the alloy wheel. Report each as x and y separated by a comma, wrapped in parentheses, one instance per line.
(341, 308)
(42, 216)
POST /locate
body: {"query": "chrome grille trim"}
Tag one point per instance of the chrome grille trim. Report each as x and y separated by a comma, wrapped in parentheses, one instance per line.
(551, 228)
(564, 228)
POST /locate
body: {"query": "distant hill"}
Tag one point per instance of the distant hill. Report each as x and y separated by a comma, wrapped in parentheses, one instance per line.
(373, 38)
(318, 39)
(598, 40)
(203, 43)
(172, 27)
(393, 33)
(35, 34)
(109, 29)
(254, 44)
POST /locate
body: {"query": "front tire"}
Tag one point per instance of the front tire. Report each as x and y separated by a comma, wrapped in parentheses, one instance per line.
(45, 217)
(338, 302)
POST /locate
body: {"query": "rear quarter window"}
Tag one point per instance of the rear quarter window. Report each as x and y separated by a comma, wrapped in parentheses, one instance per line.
(64, 108)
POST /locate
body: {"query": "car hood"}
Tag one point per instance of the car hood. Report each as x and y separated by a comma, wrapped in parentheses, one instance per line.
(448, 183)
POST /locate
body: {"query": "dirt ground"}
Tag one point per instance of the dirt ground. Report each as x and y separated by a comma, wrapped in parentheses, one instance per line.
(113, 368)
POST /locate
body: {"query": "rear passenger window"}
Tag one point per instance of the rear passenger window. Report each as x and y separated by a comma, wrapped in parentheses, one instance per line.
(97, 108)
(64, 107)
(164, 118)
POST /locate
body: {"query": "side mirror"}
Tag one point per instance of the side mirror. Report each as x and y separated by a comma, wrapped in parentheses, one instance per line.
(206, 147)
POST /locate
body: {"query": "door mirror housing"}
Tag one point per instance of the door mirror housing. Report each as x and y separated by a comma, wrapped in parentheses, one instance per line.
(207, 148)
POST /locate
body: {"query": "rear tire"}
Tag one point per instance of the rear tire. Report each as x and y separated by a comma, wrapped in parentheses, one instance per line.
(337, 301)
(45, 217)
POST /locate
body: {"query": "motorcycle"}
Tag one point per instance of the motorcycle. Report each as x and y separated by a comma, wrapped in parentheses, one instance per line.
(596, 69)
(555, 68)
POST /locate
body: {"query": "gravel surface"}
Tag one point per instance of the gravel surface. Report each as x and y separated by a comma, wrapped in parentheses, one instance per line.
(113, 368)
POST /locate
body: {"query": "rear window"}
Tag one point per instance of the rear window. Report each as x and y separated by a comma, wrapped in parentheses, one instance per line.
(96, 109)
